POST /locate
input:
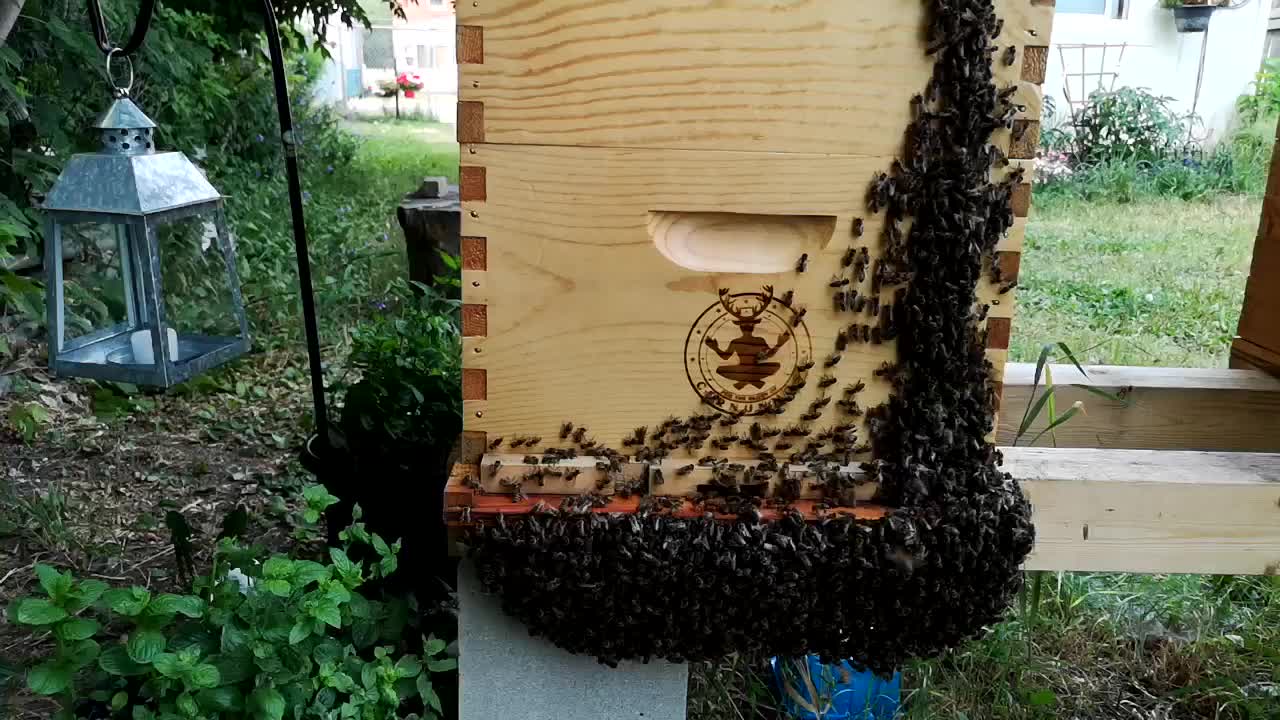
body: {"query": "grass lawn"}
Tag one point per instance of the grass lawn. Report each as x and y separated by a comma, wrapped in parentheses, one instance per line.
(1157, 282)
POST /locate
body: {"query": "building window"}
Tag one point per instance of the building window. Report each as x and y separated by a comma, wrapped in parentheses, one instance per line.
(1115, 9)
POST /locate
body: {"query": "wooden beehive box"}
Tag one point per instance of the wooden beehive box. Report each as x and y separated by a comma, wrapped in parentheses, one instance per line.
(625, 160)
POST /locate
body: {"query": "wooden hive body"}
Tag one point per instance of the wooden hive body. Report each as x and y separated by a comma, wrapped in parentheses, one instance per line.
(625, 160)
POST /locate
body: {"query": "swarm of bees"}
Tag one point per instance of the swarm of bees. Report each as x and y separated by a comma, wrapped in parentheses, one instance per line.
(944, 564)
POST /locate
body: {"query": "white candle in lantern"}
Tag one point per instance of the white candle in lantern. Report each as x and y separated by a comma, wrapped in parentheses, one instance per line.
(142, 351)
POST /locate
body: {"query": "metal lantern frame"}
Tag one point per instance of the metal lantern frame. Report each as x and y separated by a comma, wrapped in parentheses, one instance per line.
(135, 190)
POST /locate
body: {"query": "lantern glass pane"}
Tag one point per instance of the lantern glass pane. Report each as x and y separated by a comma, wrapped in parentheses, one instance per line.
(197, 298)
(94, 272)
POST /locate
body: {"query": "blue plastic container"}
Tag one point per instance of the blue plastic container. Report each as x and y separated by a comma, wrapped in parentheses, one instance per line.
(843, 693)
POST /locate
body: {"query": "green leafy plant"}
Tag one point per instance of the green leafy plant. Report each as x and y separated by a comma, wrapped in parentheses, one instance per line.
(410, 364)
(27, 419)
(1265, 99)
(1128, 124)
(262, 637)
(1045, 401)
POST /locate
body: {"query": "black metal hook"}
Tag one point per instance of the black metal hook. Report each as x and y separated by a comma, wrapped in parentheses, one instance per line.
(140, 28)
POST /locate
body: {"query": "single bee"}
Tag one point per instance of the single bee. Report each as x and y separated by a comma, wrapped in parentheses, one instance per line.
(982, 312)
(782, 445)
(495, 444)
(827, 381)
(578, 434)
(729, 420)
(811, 416)
(875, 305)
(657, 477)
(533, 441)
(565, 429)
(772, 432)
(850, 407)
(849, 255)
(805, 367)
(803, 263)
(876, 337)
(860, 303)
(855, 388)
(708, 460)
(858, 226)
(1010, 55)
(493, 469)
(838, 281)
(863, 448)
(866, 333)
(572, 475)
(832, 361)
(842, 340)
(820, 402)
(1006, 288)
(795, 322)
(684, 470)
(787, 297)
(995, 32)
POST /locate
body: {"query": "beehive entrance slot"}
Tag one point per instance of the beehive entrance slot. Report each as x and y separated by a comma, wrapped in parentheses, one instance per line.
(724, 242)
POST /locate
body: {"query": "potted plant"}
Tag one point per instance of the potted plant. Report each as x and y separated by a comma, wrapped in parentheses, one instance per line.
(1191, 15)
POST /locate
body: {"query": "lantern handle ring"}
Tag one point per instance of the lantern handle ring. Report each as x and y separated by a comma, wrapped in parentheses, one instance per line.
(118, 90)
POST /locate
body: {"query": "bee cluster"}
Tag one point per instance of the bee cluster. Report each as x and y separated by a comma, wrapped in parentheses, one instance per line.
(942, 564)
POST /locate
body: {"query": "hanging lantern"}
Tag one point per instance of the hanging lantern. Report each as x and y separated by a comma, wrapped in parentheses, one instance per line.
(127, 198)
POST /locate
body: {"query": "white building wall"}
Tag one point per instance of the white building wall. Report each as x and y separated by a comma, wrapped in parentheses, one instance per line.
(1162, 60)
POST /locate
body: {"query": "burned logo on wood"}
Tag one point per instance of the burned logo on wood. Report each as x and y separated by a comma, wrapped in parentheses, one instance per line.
(745, 350)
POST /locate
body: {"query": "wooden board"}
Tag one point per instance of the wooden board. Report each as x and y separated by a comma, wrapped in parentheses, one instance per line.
(625, 160)
(1096, 510)
(831, 76)
(1152, 511)
(1166, 408)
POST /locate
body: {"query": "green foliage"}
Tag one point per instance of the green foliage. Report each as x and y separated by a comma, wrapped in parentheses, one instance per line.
(261, 637)
(1129, 124)
(27, 419)
(1265, 100)
(410, 364)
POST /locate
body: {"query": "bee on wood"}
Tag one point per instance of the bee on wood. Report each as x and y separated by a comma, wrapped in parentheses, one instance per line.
(764, 355)
(729, 420)
(876, 336)
(855, 388)
(771, 432)
(493, 469)
(795, 431)
(827, 381)
(533, 441)
(803, 263)
(888, 369)
(862, 449)
(850, 407)
(866, 333)
(832, 361)
(860, 303)
(841, 301)
(572, 475)
(1020, 131)
(565, 429)
(1004, 289)
(684, 470)
(795, 322)
(782, 445)
(811, 416)
(708, 460)
(721, 444)
(837, 281)
(842, 340)
(805, 367)
(578, 434)
(875, 306)
(1010, 55)
(787, 297)
(858, 226)
(657, 477)
(820, 402)
(982, 312)
(849, 255)
(995, 32)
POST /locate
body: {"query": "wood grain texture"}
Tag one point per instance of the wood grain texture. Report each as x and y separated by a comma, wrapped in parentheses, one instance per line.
(1247, 355)
(472, 183)
(822, 76)
(475, 320)
(1009, 263)
(475, 384)
(470, 122)
(1035, 63)
(474, 253)
(1025, 139)
(1167, 408)
(1260, 316)
(588, 320)
(1151, 511)
(470, 44)
(1022, 200)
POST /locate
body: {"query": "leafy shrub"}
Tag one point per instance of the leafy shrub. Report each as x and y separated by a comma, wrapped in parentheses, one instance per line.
(1129, 124)
(1265, 100)
(408, 396)
(260, 637)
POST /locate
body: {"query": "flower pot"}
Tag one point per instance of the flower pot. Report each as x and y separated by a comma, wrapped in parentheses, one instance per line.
(1192, 18)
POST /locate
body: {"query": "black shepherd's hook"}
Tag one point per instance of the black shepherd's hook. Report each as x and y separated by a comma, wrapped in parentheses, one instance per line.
(290, 142)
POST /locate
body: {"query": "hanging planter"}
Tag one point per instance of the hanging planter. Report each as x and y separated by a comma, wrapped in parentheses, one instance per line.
(1189, 17)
